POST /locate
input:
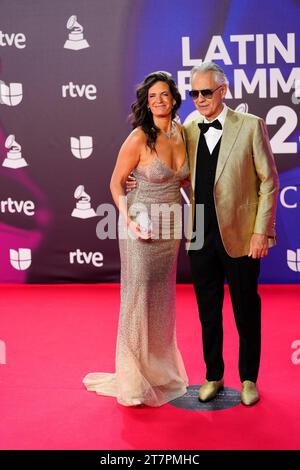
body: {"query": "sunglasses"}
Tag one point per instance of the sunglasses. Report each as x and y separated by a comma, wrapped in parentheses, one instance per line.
(207, 94)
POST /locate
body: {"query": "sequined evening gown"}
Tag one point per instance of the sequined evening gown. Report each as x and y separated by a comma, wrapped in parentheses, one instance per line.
(149, 366)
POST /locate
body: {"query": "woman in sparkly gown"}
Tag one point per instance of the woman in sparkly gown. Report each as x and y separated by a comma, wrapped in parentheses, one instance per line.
(149, 366)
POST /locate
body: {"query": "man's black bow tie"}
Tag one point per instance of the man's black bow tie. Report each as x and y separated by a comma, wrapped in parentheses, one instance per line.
(204, 126)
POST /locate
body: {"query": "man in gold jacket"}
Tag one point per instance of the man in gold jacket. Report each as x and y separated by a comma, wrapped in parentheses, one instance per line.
(233, 175)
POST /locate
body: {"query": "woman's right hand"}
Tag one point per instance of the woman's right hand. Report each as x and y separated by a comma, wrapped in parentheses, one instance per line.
(137, 232)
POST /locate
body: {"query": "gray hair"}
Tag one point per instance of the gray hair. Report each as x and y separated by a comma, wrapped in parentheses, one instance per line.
(219, 74)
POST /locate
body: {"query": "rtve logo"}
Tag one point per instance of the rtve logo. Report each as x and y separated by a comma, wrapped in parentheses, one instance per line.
(81, 257)
(11, 94)
(13, 207)
(293, 260)
(75, 91)
(82, 147)
(20, 259)
(12, 39)
(289, 196)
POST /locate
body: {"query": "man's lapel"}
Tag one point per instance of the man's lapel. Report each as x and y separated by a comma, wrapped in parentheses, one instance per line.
(232, 125)
(193, 147)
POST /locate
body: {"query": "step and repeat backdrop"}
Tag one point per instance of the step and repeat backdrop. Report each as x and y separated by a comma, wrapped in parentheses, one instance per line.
(68, 72)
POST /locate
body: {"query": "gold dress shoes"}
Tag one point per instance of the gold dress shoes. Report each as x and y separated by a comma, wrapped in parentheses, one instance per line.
(209, 390)
(249, 394)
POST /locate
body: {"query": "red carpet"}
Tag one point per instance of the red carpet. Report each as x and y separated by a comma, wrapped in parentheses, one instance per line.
(53, 335)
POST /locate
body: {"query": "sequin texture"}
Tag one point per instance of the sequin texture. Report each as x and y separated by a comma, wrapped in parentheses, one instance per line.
(149, 366)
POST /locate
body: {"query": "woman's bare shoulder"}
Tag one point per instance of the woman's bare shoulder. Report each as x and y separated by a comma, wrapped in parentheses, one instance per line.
(137, 136)
(135, 141)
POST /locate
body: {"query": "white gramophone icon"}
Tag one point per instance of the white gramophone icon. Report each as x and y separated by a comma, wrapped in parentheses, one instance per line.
(14, 156)
(83, 208)
(76, 40)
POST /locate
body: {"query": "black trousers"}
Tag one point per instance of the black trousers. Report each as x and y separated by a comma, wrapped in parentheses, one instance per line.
(210, 267)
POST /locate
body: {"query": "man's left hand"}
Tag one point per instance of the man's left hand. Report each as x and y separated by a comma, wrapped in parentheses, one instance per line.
(258, 246)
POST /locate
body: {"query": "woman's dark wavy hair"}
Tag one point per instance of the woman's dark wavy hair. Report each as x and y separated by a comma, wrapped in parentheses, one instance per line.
(141, 115)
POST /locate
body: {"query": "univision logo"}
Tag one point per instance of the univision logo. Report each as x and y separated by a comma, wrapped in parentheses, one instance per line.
(293, 260)
(11, 94)
(82, 147)
(20, 259)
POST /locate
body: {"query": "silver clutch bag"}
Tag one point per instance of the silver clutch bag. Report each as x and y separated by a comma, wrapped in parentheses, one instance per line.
(144, 222)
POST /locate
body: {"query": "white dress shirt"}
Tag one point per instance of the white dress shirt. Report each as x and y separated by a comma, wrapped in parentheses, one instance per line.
(213, 135)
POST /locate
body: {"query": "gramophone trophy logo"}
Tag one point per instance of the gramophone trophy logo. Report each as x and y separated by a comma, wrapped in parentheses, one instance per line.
(76, 40)
(83, 208)
(14, 157)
